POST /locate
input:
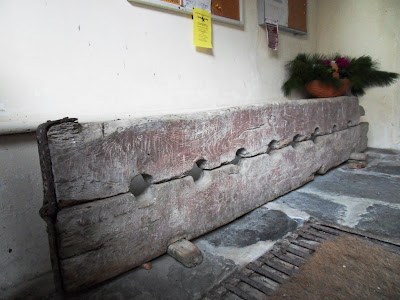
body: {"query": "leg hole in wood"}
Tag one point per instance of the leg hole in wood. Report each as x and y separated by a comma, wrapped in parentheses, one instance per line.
(139, 184)
(296, 139)
(315, 134)
(197, 171)
(239, 154)
(273, 145)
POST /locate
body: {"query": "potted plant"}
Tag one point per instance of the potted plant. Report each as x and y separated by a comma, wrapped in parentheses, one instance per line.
(324, 76)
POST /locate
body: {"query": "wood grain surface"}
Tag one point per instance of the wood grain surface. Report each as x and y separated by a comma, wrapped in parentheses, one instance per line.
(98, 160)
(104, 238)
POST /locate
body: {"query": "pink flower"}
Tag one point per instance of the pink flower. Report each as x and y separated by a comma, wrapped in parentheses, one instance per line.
(342, 62)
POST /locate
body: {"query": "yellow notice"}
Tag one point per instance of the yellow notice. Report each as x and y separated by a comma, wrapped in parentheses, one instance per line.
(201, 28)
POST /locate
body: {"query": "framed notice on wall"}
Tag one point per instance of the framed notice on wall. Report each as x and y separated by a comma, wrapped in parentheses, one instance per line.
(291, 15)
(228, 11)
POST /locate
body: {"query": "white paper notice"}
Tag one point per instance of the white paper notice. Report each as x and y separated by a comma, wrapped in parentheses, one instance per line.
(189, 3)
(272, 33)
(202, 4)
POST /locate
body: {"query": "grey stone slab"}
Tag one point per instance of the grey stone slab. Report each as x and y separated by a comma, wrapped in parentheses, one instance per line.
(381, 220)
(377, 157)
(316, 206)
(383, 151)
(259, 225)
(361, 185)
(386, 169)
(99, 160)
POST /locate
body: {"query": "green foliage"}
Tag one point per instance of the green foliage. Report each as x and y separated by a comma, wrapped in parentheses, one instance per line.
(362, 72)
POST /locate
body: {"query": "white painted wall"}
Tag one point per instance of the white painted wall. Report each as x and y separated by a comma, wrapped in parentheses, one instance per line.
(105, 59)
(368, 27)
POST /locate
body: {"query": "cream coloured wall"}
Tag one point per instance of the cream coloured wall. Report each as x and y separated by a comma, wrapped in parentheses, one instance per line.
(367, 27)
(101, 59)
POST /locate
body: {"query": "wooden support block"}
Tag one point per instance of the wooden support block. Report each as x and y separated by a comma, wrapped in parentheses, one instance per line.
(357, 165)
(358, 156)
(186, 253)
(147, 266)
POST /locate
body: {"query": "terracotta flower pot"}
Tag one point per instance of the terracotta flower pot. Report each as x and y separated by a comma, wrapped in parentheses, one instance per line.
(325, 90)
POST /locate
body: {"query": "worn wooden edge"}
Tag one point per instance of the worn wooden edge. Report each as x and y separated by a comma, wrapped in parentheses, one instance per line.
(49, 209)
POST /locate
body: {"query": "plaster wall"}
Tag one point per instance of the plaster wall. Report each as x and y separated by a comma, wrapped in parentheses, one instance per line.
(100, 60)
(368, 27)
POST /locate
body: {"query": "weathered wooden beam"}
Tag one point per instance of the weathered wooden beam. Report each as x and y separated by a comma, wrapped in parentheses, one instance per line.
(101, 239)
(340, 147)
(99, 160)
(99, 229)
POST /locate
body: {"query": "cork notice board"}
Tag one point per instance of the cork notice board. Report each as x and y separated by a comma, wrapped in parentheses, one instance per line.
(226, 8)
(291, 15)
(228, 11)
(297, 16)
